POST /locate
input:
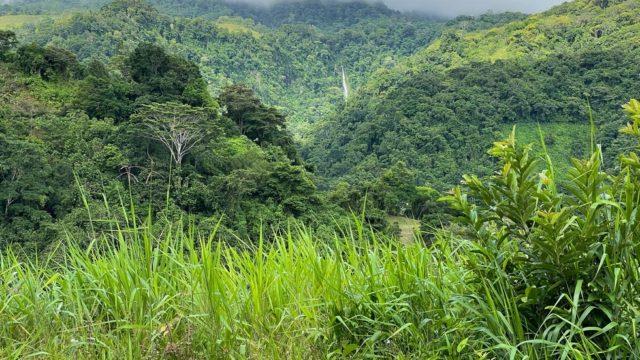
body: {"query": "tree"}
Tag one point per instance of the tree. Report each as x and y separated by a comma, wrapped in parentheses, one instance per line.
(25, 190)
(46, 62)
(396, 189)
(22, 171)
(240, 102)
(8, 42)
(261, 124)
(106, 97)
(163, 77)
(176, 126)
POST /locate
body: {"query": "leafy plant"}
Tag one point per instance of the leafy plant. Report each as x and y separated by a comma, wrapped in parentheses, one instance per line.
(561, 257)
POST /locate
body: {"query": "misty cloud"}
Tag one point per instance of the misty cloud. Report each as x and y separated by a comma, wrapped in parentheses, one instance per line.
(455, 7)
(472, 7)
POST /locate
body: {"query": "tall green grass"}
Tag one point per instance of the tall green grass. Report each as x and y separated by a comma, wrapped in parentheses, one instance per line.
(177, 294)
(536, 269)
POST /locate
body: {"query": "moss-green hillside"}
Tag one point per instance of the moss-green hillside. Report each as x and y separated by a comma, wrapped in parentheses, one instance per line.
(438, 110)
(78, 139)
(289, 62)
(570, 27)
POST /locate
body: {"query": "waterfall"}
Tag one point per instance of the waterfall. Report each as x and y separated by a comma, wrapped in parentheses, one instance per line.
(345, 85)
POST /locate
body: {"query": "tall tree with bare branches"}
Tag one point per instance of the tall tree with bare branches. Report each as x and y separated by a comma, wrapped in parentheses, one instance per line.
(178, 127)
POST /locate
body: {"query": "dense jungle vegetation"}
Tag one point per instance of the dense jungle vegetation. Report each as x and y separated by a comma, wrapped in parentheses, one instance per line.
(438, 110)
(95, 65)
(154, 136)
(186, 179)
(292, 63)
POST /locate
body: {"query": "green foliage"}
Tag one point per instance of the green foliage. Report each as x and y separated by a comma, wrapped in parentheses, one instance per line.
(18, 21)
(562, 141)
(163, 77)
(484, 21)
(395, 192)
(47, 62)
(439, 110)
(153, 135)
(535, 273)
(563, 262)
(186, 220)
(106, 96)
(8, 42)
(352, 299)
(25, 191)
(152, 75)
(264, 125)
(324, 14)
(295, 65)
(39, 159)
(177, 127)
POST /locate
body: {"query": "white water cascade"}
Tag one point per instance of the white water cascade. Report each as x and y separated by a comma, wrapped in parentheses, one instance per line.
(345, 85)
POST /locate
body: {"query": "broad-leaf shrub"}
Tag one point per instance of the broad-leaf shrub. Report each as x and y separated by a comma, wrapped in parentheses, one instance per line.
(565, 254)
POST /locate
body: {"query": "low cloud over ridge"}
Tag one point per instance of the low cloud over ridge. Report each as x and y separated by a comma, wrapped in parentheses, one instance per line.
(456, 7)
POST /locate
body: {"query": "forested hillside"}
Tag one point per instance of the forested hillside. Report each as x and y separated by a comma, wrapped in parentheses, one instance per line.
(440, 109)
(410, 127)
(92, 70)
(78, 140)
(293, 56)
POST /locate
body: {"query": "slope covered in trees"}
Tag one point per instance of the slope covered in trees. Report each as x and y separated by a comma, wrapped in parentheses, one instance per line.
(437, 111)
(290, 60)
(90, 70)
(78, 140)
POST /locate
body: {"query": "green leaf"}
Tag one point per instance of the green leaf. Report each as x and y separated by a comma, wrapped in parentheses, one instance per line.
(462, 345)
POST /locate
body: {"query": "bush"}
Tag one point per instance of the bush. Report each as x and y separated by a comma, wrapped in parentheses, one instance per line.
(47, 62)
(560, 267)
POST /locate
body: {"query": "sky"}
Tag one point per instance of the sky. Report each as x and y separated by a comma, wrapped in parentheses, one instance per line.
(459, 7)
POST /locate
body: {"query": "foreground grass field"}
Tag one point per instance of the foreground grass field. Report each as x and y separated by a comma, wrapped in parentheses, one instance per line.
(148, 297)
(140, 296)
(528, 272)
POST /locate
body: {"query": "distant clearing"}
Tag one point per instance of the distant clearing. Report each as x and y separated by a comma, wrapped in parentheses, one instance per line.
(236, 27)
(11, 22)
(408, 228)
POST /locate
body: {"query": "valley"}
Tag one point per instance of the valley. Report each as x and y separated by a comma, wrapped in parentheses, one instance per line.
(203, 179)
